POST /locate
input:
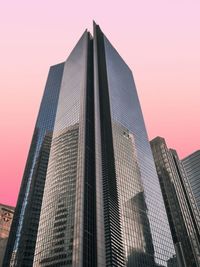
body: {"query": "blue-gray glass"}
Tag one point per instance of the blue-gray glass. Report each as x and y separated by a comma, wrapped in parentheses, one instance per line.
(102, 204)
(192, 167)
(59, 240)
(146, 237)
(21, 244)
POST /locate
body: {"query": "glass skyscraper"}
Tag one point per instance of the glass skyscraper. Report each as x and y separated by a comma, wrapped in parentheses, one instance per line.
(21, 242)
(180, 204)
(102, 203)
(191, 164)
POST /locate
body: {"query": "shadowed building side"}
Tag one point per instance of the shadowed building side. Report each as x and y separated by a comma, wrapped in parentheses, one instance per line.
(21, 243)
(180, 204)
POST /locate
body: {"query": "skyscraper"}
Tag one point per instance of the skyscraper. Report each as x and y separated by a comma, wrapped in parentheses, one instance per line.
(21, 242)
(102, 203)
(180, 204)
(191, 164)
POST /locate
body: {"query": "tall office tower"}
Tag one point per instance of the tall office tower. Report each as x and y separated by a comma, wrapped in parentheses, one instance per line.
(6, 216)
(192, 167)
(102, 203)
(180, 204)
(21, 243)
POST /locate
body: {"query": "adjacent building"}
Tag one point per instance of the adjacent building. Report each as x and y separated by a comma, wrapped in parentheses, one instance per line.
(90, 195)
(6, 217)
(191, 164)
(180, 204)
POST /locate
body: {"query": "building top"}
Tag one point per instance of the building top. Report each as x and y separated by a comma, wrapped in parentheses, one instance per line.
(193, 154)
(7, 207)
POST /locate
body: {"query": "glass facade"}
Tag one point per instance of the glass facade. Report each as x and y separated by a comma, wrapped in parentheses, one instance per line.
(145, 231)
(68, 193)
(180, 204)
(192, 167)
(132, 227)
(21, 243)
(102, 203)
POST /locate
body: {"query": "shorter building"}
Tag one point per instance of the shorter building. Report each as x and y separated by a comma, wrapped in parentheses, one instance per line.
(192, 167)
(6, 216)
(180, 204)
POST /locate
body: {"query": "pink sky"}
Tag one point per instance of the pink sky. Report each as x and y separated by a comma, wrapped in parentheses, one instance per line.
(159, 40)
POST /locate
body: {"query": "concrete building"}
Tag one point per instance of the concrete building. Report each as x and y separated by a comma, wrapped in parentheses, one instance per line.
(6, 217)
(180, 204)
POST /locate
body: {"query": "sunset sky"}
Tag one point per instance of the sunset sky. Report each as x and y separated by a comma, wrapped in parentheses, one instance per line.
(159, 40)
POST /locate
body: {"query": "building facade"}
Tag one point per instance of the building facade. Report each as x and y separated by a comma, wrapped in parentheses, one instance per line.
(102, 203)
(191, 164)
(172, 262)
(21, 243)
(6, 217)
(180, 204)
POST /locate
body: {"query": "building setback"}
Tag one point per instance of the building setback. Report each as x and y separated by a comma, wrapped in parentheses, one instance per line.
(180, 204)
(102, 203)
(191, 164)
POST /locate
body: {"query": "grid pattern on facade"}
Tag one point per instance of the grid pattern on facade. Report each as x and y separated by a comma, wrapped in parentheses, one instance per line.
(34, 207)
(89, 227)
(181, 209)
(62, 210)
(16, 251)
(152, 245)
(57, 218)
(102, 203)
(192, 167)
(137, 236)
(112, 227)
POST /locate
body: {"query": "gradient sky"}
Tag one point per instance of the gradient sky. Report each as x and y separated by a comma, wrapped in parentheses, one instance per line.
(159, 40)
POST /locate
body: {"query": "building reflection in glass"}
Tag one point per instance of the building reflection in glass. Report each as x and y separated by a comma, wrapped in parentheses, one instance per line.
(136, 232)
(57, 218)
